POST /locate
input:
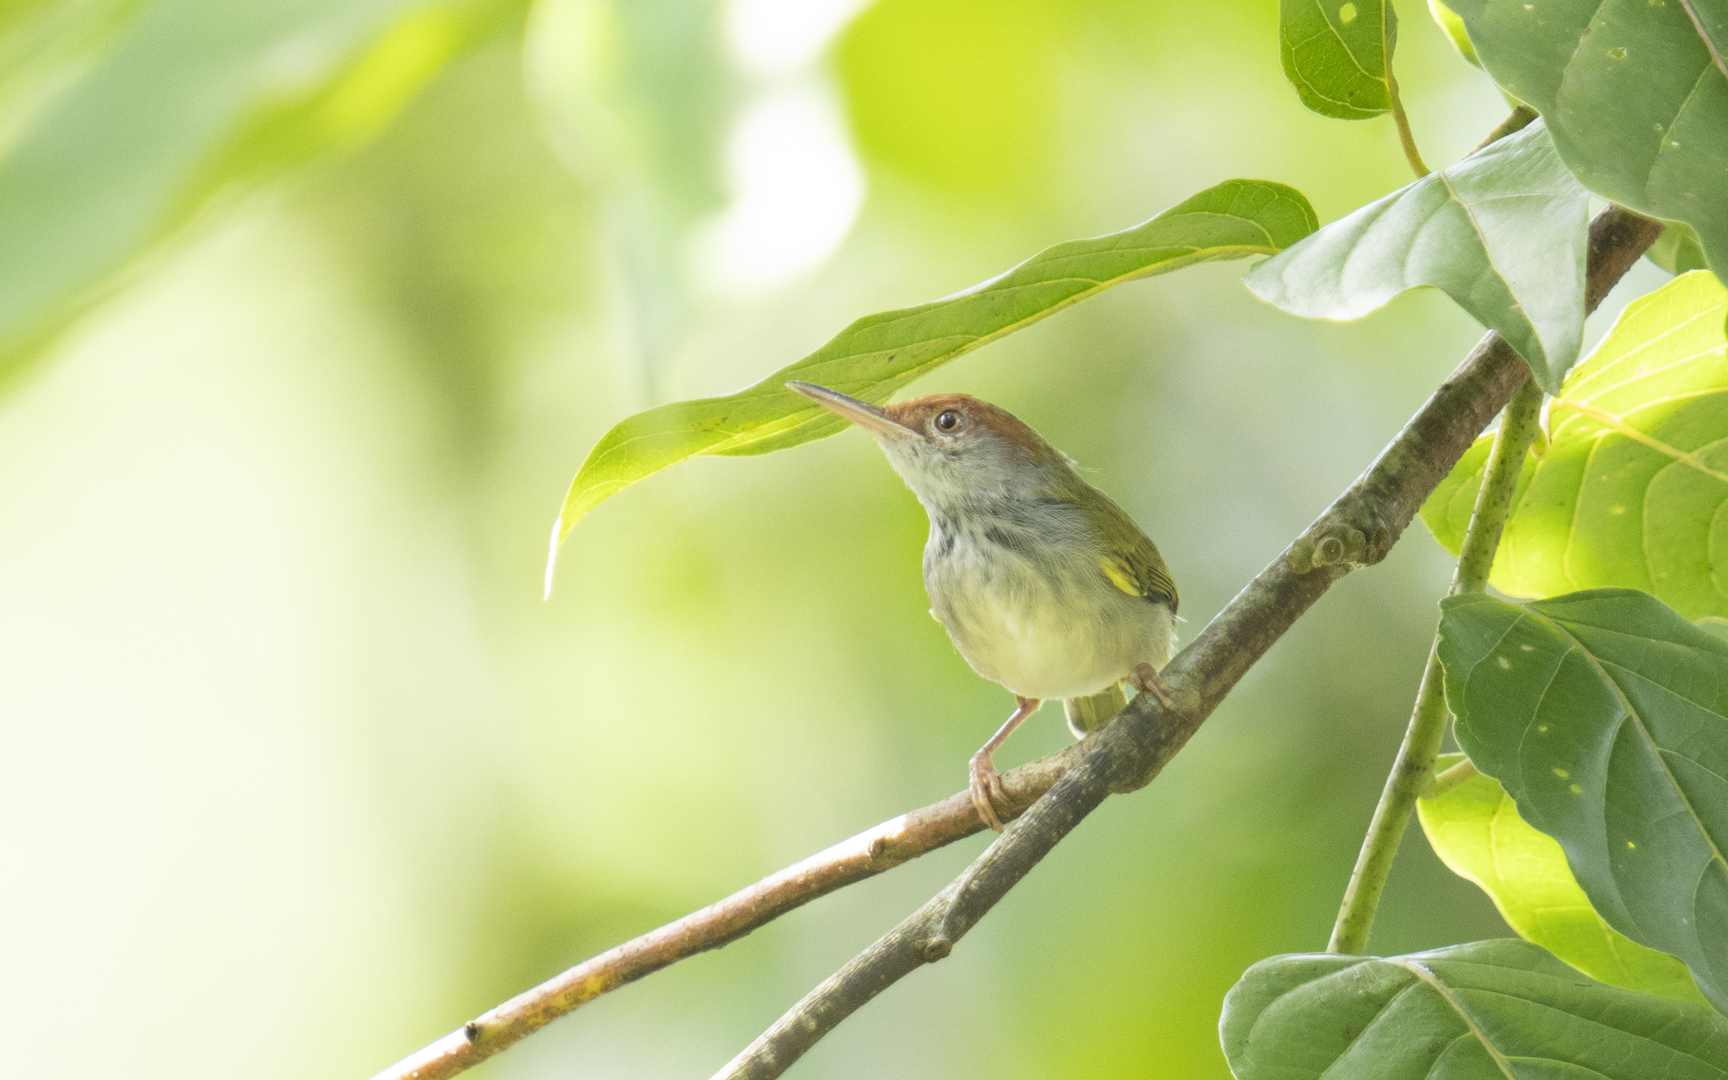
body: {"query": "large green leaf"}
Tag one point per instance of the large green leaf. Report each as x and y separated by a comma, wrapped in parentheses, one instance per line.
(879, 354)
(1338, 54)
(1632, 487)
(1476, 830)
(1634, 92)
(1502, 232)
(147, 113)
(1605, 716)
(1490, 1010)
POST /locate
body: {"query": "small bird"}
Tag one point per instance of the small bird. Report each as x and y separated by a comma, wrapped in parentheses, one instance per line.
(1043, 583)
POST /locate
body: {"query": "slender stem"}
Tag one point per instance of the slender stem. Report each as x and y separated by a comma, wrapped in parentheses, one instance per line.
(1406, 137)
(1412, 771)
(1519, 119)
(1461, 773)
(1505, 463)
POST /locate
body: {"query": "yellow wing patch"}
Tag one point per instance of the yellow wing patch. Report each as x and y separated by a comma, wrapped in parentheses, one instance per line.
(1141, 573)
(1120, 575)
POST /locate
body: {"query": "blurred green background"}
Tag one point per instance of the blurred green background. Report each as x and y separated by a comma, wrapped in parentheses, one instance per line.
(309, 310)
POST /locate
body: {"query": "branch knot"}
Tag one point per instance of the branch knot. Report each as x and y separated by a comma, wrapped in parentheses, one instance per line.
(1335, 540)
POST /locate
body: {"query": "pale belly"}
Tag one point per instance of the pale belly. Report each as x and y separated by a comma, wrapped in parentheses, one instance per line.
(1047, 637)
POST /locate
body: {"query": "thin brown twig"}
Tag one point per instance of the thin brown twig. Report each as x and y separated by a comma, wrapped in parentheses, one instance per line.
(867, 854)
(1128, 753)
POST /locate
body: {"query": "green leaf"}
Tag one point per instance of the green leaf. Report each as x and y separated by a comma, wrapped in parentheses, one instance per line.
(1605, 716)
(1476, 830)
(1454, 27)
(1503, 232)
(1677, 250)
(1336, 53)
(879, 354)
(1631, 488)
(1489, 1010)
(1635, 94)
(161, 106)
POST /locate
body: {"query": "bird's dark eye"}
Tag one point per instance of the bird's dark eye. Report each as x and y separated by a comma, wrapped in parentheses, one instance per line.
(948, 421)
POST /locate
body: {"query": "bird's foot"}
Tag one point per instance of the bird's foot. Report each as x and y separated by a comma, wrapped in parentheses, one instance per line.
(1147, 679)
(986, 788)
(1341, 537)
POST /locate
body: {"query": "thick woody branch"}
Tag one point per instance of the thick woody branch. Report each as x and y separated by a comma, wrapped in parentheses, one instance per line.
(1363, 524)
(1335, 543)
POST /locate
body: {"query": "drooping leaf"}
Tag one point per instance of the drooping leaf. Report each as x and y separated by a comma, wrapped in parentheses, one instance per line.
(1336, 54)
(1489, 1010)
(1476, 831)
(1502, 232)
(879, 354)
(1454, 27)
(1634, 91)
(1605, 716)
(1631, 487)
(1677, 250)
(177, 100)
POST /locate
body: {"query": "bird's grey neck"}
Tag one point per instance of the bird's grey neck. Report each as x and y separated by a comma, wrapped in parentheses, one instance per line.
(1000, 515)
(953, 509)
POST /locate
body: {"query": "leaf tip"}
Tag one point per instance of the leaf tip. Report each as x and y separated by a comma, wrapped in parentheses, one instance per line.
(558, 534)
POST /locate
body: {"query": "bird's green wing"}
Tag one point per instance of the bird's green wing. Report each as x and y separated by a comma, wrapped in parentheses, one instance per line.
(1131, 561)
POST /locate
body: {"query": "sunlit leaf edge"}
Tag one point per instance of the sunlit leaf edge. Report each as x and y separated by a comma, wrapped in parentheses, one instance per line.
(1694, 297)
(1449, 21)
(1515, 844)
(1545, 768)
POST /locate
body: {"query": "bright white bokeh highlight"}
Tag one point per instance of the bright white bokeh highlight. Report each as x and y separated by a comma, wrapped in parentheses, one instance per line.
(782, 37)
(797, 187)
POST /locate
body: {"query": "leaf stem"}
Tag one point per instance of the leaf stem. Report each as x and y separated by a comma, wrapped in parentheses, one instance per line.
(1522, 117)
(1505, 461)
(1412, 770)
(1460, 773)
(1406, 137)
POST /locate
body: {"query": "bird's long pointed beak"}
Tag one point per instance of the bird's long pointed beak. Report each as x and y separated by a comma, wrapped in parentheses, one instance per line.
(865, 415)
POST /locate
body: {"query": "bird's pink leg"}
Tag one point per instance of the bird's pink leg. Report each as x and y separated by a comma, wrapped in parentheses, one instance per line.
(1146, 678)
(986, 782)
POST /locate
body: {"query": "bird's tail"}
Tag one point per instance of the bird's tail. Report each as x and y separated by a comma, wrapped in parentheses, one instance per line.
(1088, 714)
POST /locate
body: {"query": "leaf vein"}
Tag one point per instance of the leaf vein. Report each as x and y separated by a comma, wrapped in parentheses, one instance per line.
(1421, 972)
